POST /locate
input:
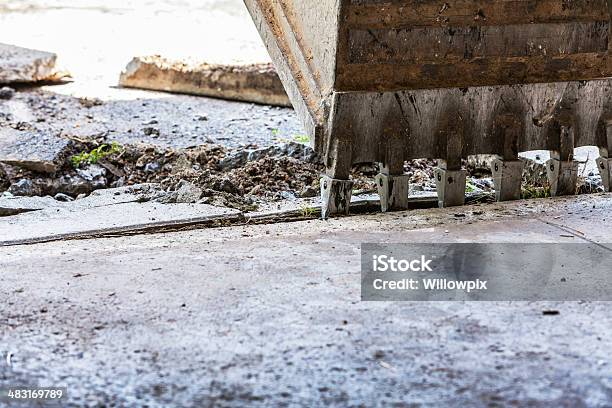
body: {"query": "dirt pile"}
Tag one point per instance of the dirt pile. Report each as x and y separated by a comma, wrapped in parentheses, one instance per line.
(87, 166)
(213, 174)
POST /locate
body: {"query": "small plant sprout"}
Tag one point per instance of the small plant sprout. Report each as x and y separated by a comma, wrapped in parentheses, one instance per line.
(470, 187)
(306, 211)
(530, 191)
(301, 138)
(95, 155)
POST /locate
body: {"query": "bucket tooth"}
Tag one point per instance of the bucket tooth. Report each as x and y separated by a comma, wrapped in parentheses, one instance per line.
(562, 176)
(388, 97)
(451, 187)
(604, 164)
(335, 196)
(507, 177)
(393, 191)
(562, 169)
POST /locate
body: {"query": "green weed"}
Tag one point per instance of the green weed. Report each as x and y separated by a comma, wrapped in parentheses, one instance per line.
(530, 191)
(307, 211)
(95, 155)
(301, 138)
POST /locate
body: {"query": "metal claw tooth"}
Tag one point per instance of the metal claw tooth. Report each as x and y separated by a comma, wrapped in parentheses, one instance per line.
(507, 177)
(451, 187)
(562, 176)
(335, 196)
(393, 191)
(604, 165)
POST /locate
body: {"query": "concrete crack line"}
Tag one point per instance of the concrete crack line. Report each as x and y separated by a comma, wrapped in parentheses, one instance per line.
(574, 232)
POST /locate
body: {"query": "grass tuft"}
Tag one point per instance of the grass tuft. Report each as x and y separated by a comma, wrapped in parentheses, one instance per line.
(95, 155)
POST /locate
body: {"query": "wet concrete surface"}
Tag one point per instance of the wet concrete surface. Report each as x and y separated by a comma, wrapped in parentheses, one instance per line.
(270, 315)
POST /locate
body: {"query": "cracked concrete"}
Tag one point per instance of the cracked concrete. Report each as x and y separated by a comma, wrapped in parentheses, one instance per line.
(270, 315)
(264, 315)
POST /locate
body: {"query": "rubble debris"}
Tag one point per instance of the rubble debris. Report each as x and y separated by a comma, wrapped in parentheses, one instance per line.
(291, 149)
(63, 197)
(23, 187)
(242, 178)
(258, 83)
(6, 92)
(93, 172)
(185, 193)
(23, 65)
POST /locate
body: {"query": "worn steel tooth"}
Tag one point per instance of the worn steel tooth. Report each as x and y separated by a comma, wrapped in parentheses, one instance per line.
(507, 177)
(451, 187)
(335, 196)
(562, 169)
(374, 83)
(393, 191)
(562, 176)
(604, 165)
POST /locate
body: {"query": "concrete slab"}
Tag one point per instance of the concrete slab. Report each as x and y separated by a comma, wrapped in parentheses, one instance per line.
(270, 315)
(17, 205)
(32, 150)
(258, 83)
(69, 222)
(24, 65)
(219, 32)
(34, 228)
(99, 198)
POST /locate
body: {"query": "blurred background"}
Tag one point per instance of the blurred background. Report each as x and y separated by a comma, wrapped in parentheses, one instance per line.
(95, 39)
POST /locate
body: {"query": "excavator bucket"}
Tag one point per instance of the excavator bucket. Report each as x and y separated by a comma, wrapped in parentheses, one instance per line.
(385, 81)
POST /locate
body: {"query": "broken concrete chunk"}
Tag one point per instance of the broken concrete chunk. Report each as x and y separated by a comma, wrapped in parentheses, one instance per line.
(17, 205)
(92, 172)
(291, 149)
(63, 198)
(25, 65)
(257, 83)
(23, 187)
(6, 92)
(12, 204)
(34, 151)
(186, 192)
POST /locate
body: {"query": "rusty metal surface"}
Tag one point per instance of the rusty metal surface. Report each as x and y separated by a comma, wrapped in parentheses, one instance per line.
(422, 119)
(410, 44)
(439, 79)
